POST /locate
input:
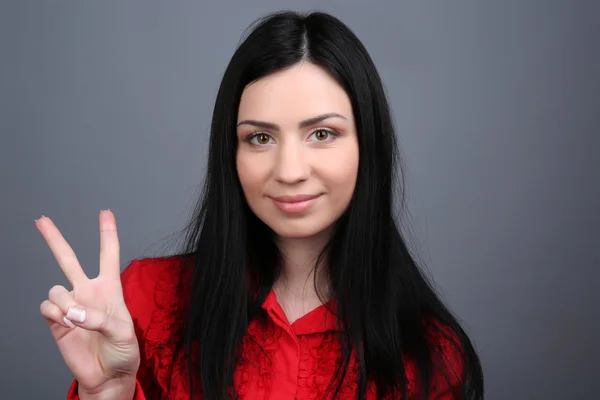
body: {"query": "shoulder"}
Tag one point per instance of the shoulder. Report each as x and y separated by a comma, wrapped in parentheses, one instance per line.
(142, 275)
(154, 284)
(447, 355)
(155, 292)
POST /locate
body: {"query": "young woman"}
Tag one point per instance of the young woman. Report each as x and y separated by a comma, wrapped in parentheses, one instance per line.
(294, 281)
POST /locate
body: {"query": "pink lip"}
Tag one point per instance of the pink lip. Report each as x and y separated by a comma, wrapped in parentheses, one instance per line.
(295, 199)
(295, 204)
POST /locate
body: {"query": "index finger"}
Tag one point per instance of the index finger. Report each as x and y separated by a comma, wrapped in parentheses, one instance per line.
(110, 265)
(64, 254)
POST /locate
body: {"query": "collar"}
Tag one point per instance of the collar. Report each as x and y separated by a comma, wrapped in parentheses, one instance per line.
(318, 320)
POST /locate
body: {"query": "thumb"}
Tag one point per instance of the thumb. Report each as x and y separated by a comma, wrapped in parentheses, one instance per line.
(113, 328)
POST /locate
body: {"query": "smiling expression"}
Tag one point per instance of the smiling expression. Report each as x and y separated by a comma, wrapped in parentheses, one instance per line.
(297, 154)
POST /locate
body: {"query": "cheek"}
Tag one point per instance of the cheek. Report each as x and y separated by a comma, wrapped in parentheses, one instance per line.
(348, 163)
(346, 173)
(250, 173)
(342, 178)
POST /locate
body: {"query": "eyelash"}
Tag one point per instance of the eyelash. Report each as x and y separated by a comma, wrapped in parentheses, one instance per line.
(329, 131)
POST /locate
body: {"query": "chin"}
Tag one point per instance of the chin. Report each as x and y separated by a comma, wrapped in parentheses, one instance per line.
(295, 233)
(299, 229)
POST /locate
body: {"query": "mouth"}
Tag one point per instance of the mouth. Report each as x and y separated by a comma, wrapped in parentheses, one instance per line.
(295, 204)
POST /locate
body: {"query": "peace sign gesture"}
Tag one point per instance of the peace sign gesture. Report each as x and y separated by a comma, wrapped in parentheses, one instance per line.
(91, 324)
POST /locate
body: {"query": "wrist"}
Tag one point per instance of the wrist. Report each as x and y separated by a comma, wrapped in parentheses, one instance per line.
(115, 389)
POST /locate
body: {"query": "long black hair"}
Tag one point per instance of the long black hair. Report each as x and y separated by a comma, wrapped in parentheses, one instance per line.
(382, 296)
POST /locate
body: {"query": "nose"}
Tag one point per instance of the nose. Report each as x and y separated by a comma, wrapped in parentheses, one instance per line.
(291, 165)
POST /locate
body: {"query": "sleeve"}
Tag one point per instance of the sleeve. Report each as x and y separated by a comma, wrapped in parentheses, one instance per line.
(139, 391)
(138, 281)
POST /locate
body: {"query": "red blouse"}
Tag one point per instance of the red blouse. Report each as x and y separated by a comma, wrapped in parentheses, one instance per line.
(282, 360)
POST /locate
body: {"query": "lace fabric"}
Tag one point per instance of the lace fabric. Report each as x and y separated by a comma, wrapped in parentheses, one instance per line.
(279, 360)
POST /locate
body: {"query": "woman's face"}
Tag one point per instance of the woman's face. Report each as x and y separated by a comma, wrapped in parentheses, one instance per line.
(297, 155)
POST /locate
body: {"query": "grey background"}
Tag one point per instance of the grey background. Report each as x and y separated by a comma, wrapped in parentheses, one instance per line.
(107, 104)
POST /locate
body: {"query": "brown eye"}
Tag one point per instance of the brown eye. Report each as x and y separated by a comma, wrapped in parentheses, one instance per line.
(262, 138)
(321, 135)
(259, 139)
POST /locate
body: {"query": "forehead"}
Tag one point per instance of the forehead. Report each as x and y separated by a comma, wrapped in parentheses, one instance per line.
(299, 92)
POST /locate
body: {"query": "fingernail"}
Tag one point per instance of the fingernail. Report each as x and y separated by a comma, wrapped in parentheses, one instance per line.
(68, 322)
(39, 218)
(76, 314)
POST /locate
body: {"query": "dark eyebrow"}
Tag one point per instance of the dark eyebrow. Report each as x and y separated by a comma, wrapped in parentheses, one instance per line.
(302, 124)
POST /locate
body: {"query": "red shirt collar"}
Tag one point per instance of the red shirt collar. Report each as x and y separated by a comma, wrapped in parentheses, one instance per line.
(319, 320)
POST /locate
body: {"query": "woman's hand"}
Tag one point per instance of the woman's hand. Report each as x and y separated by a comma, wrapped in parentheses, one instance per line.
(91, 324)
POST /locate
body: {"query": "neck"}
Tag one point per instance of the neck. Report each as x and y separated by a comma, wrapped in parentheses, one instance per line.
(295, 286)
